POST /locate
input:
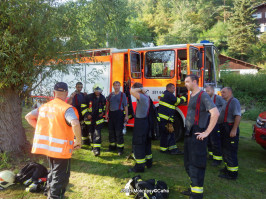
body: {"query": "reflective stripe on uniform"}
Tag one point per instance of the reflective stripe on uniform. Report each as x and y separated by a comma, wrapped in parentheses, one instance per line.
(210, 153)
(85, 138)
(184, 98)
(47, 147)
(96, 145)
(198, 190)
(232, 169)
(99, 121)
(177, 101)
(165, 117)
(112, 144)
(172, 147)
(100, 110)
(167, 105)
(120, 145)
(83, 112)
(140, 161)
(149, 156)
(163, 149)
(87, 122)
(50, 139)
(83, 105)
(217, 157)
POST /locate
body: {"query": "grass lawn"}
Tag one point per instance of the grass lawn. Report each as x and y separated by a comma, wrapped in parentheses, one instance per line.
(104, 177)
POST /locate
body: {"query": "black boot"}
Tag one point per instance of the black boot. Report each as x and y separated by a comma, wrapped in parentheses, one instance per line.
(112, 147)
(96, 151)
(229, 175)
(186, 192)
(216, 163)
(176, 152)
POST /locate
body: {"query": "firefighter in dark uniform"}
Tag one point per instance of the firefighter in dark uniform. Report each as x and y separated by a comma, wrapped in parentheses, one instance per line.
(118, 115)
(141, 141)
(197, 130)
(229, 125)
(166, 111)
(93, 109)
(214, 139)
(76, 99)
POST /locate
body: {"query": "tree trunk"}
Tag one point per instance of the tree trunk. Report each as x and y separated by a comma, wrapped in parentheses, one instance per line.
(12, 133)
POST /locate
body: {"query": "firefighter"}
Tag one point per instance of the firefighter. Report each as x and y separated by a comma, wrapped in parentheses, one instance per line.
(166, 111)
(56, 123)
(197, 130)
(229, 125)
(118, 115)
(75, 99)
(141, 142)
(93, 109)
(214, 139)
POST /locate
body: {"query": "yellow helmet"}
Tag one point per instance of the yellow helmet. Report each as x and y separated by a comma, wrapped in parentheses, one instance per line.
(97, 87)
(7, 178)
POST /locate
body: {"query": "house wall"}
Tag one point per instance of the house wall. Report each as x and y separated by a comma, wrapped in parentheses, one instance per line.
(260, 15)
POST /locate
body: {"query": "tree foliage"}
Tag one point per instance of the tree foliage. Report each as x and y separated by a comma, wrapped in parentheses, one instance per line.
(30, 34)
(242, 29)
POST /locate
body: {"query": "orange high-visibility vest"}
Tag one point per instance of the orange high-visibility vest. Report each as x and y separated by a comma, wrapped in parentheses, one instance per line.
(53, 137)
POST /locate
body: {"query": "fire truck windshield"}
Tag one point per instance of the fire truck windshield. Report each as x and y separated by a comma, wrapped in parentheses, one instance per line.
(160, 64)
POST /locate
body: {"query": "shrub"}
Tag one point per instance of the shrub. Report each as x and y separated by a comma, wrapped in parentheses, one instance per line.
(250, 89)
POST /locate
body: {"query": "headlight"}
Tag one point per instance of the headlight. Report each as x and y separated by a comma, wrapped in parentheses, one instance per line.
(260, 122)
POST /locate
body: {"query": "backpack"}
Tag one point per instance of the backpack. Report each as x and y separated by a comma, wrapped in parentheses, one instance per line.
(150, 189)
(31, 173)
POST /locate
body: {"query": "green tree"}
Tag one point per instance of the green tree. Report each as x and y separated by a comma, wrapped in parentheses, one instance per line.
(218, 34)
(242, 29)
(98, 24)
(257, 52)
(31, 34)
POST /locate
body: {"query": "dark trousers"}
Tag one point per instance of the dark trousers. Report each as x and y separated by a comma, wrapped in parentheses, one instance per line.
(195, 159)
(230, 148)
(96, 137)
(115, 127)
(141, 144)
(167, 141)
(86, 136)
(214, 144)
(58, 177)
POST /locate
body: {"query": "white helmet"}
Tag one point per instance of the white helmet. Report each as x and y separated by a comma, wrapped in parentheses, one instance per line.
(98, 87)
(7, 178)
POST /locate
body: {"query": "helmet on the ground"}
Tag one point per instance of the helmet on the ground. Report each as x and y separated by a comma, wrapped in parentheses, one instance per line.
(7, 178)
(97, 87)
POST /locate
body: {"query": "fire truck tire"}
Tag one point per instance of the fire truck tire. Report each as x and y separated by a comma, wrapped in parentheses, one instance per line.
(179, 128)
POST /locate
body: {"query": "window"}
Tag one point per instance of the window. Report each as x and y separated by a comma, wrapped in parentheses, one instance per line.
(135, 64)
(257, 15)
(195, 60)
(209, 72)
(160, 64)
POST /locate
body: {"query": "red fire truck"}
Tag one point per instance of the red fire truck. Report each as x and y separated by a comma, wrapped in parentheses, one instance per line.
(154, 67)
